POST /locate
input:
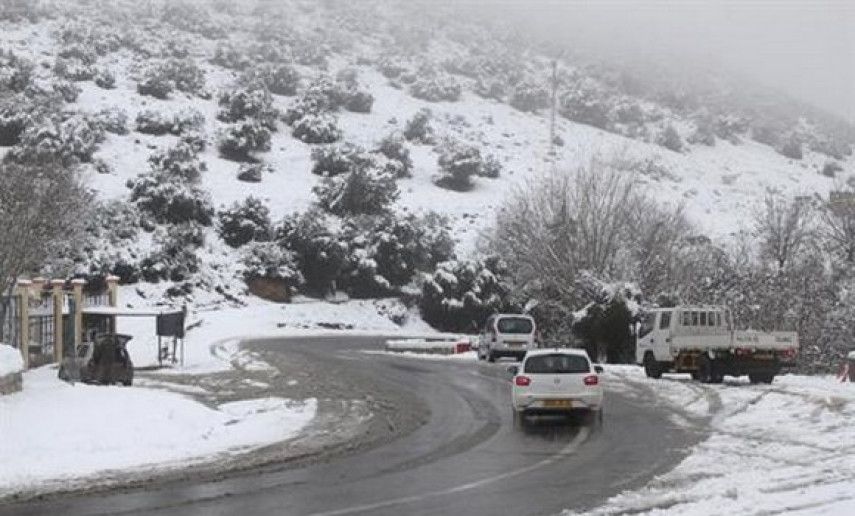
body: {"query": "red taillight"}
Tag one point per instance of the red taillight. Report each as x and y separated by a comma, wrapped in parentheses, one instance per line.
(522, 381)
(592, 379)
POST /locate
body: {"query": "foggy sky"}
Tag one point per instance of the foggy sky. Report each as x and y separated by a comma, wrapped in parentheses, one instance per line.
(805, 48)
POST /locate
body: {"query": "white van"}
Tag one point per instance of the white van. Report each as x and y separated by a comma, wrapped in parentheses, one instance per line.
(507, 335)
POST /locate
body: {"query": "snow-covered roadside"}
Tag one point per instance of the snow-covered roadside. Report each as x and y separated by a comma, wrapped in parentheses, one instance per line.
(785, 447)
(10, 360)
(54, 435)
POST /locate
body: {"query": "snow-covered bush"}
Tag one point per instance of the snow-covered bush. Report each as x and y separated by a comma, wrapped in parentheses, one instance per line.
(269, 261)
(16, 73)
(333, 160)
(792, 147)
(244, 222)
(670, 139)
(364, 191)
(239, 141)
(73, 139)
(490, 168)
(113, 120)
(185, 74)
(435, 86)
(280, 79)
(16, 113)
(104, 78)
(191, 17)
(458, 163)
(319, 251)
(228, 55)
(74, 70)
(181, 161)
(170, 199)
(729, 127)
(172, 260)
(251, 102)
(490, 88)
(398, 161)
(66, 89)
(585, 102)
(529, 96)
(320, 128)
(703, 133)
(460, 295)
(831, 168)
(186, 121)
(155, 84)
(358, 101)
(418, 128)
(253, 172)
(16, 11)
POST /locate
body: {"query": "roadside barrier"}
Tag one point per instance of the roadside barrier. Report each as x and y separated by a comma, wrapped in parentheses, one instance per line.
(439, 346)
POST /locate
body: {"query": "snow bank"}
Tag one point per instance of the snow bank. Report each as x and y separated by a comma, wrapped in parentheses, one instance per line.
(780, 448)
(55, 435)
(10, 360)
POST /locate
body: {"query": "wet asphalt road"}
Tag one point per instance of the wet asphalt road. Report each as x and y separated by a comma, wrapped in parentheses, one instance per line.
(467, 458)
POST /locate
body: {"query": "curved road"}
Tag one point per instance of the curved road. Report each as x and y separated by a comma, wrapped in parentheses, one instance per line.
(460, 453)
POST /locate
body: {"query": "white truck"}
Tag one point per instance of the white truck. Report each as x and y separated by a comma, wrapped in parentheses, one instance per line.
(701, 340)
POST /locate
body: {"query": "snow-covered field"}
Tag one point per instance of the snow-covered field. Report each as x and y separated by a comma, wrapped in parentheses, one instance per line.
(60, 436)
(784, 448)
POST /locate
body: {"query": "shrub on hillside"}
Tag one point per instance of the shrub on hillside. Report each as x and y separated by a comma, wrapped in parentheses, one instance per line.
(418, 128)
(529, 96)
(670, 139)
(398, 161)
(831, 168)
(253, 172)
(170, 199)
(364, 191)
(155, 84)
(181, 161)
(228, 55)
(319, 252)
(587, 104)
(251, 102)
(244, 222)
(70, 140)
(74, 70)
(279, 79)
(172, 260)
(105, 79)
(436, 87)
(268, 260)
(186, 121)
(729, 127)
(321, 128)
(460, 295)
(19, 111)
(458, 163)
(333, 160)
(16, 73)
(66, 89)
(239, 141)
(792, 147)
(358, 101)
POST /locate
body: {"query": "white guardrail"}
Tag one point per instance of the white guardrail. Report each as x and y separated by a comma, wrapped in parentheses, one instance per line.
(435, 346)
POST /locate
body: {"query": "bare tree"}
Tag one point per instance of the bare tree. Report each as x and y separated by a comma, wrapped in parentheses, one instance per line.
(42, 207)
(784, 228)
(570, 221)
(838, 223)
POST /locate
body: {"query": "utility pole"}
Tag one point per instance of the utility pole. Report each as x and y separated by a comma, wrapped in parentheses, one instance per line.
(552, 108)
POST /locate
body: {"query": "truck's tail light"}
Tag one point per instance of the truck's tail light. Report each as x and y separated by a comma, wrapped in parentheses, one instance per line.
(592, 379)
(522, 381)
(788, 353)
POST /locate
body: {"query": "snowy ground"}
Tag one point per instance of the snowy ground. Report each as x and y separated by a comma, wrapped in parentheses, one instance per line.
(55, 436)
(784, 448)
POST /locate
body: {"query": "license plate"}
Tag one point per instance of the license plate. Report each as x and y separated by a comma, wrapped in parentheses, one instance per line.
(558, 403)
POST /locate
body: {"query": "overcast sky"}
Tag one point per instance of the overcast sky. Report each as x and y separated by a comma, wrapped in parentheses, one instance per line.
(803, 47)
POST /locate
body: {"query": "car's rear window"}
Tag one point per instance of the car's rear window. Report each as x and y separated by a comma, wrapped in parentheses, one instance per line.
(515, 325)
(558, 363)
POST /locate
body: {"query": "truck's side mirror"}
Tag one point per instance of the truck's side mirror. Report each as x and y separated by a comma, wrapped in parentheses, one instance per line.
(598, 369)
(514, 370)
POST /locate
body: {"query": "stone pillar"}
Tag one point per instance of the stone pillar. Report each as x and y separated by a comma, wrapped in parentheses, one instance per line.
(23, 293)
(57, 292)
(113, 294)
(77, 293)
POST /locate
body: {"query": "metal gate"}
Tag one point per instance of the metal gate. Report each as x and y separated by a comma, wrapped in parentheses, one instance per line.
(10, 327)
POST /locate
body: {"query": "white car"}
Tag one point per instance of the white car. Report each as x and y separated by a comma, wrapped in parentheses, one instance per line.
(556, 380)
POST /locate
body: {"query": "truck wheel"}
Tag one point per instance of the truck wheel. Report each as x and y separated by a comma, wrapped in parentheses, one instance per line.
(761, 377)
(491, 357)
(652, 368)
(705, 369)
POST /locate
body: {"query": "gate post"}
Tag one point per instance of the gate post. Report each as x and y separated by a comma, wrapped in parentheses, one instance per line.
(23, 293)
(77, 292)
(113, 297)
(57, 285)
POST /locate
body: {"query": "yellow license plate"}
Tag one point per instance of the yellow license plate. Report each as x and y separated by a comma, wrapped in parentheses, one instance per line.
(558, 403)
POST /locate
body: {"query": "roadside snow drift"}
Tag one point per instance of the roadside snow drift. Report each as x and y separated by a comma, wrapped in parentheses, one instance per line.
(55, 435)
(10, 360)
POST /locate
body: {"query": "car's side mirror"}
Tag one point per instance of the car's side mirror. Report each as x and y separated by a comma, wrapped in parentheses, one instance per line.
(598, 369)
(514, 370)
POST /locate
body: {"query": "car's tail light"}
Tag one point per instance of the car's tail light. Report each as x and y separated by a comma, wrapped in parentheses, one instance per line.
(592, 379)
(522, 381)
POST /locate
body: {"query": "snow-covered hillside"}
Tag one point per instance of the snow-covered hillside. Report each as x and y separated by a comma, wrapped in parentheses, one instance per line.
(721, 185)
